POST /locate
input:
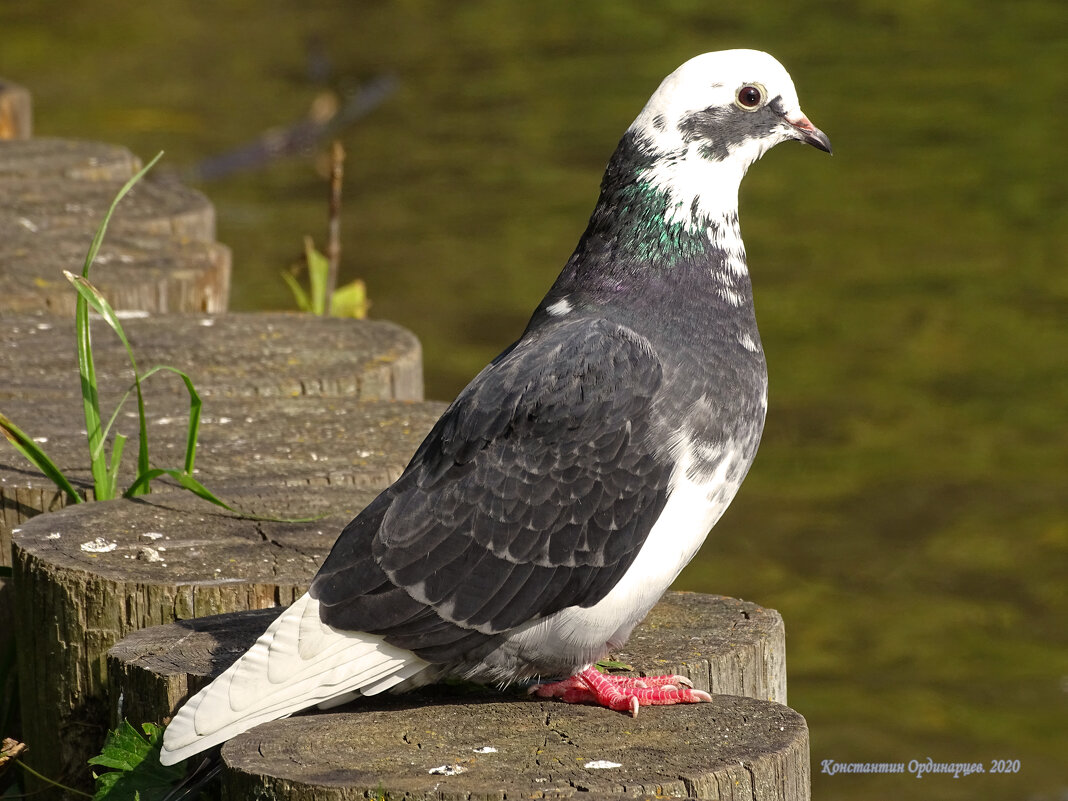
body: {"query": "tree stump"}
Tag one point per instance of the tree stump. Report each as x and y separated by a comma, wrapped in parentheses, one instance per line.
(56, 206)
(260, 441)
(73, 159)
(722, 644)
(237, 354)
(273, 356)
(88, 575)
(460, 749)
(16, 111)
(134, 273)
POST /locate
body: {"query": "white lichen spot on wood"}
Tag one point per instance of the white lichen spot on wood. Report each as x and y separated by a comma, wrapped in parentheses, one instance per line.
(99, 545)
(447, 770)
(602, 764)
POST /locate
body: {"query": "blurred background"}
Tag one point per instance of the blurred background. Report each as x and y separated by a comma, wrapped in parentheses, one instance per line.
(908, 511)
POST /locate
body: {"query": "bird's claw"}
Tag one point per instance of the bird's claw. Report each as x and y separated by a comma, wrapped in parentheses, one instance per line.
(622, 693)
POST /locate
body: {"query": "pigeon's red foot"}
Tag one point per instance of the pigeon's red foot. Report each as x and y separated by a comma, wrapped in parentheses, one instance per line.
(622, 693)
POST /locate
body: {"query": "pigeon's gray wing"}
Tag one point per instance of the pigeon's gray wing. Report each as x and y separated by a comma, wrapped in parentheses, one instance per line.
(533, 492)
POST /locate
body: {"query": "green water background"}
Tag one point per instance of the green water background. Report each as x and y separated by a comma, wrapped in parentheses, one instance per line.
(908, 511)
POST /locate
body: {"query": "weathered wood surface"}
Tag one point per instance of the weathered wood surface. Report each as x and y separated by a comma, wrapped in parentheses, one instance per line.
(405, 748)
(152, 274)
(236, 354)
(16, 111)
(251, 441)
(58, 206)
(74, 159)
(243, 441)
(271, 355)
(88, 575)
(722, 644)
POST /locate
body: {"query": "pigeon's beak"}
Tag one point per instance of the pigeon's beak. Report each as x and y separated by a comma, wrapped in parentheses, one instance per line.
(807, 132)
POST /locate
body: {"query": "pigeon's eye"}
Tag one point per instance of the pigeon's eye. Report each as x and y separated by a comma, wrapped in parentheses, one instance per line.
(750, 96)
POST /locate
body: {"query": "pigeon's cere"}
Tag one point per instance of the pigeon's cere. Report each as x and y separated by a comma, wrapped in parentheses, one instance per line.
(571, 481)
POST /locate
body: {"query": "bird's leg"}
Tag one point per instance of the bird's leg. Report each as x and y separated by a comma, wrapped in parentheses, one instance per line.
(622, 693)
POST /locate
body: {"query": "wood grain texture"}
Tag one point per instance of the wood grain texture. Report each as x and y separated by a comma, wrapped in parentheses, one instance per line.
(236, 354)
(259, 375)
(722, 644)
(733, 748)
(74, 159)
(88, 575)
(51, 206)
(134, 273)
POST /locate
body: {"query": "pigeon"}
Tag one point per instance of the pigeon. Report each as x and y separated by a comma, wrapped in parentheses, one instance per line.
(570, 482)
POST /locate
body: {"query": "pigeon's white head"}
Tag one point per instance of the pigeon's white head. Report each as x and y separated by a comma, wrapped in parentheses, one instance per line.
(712, 118)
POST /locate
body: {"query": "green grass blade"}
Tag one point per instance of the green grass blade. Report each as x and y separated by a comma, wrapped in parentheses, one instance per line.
(299, 295)
(93, 297)
(94, 248)
(187, 482)
(142, 483)
(100, 305)
(115, 414)
(37, 457)
(142, 428)
(86, 367)
(90, 401)
(195, 406)
(116, 460)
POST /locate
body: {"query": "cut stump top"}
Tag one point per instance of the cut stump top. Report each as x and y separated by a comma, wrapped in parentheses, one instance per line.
(236, 354)
(436, 748)
(151, 274)
(174, 538)
(722, 644)
(74, 159)
(49, 206)
(243, 442)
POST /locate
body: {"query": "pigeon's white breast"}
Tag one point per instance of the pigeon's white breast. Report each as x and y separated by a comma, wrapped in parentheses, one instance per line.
(584, 635)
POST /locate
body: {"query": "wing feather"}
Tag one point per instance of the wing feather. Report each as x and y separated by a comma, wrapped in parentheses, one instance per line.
(534, 492)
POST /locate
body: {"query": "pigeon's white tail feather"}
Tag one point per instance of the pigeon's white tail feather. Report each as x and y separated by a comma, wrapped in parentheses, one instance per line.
(298, 662)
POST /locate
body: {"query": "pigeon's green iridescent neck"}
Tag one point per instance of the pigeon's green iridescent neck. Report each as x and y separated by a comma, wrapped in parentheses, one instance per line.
(652, 231)
(639, 236)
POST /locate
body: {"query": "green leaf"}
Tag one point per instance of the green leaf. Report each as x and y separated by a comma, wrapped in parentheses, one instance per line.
(37, 457)
(299, 295)
(351, 300)
(318, 271)
(137, 771)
